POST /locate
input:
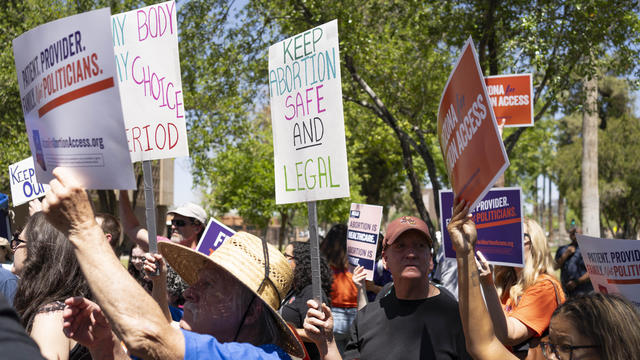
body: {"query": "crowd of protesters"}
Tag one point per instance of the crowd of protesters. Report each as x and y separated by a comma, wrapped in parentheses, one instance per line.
(69, 296)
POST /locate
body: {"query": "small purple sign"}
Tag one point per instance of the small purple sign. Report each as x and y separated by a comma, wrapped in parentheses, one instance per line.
(498, 219)
(214, 235)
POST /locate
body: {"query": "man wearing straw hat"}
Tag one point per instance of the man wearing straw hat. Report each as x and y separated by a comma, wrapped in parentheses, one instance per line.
(230, 304)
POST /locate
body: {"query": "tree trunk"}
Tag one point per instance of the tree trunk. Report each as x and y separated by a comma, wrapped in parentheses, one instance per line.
(562, 224)
(535, 200)
(590, 194)
(542, 203)
(283, 228)
(550, 212)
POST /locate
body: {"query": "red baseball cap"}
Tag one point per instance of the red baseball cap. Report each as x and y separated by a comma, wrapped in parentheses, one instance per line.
(403, 224)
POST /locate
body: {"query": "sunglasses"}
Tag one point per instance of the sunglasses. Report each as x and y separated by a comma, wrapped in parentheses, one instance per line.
(180, 223)
(553, 351)
(15, 242)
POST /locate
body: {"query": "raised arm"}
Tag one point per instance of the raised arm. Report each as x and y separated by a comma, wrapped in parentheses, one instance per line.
(509, 330)
(481, 340)
(159, 291)
(359, 278)
(491, 298)
(130, 223)
(134, 316)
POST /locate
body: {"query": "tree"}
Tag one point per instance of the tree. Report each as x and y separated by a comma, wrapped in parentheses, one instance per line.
(398, 56)
(590, 194)
(618, 163)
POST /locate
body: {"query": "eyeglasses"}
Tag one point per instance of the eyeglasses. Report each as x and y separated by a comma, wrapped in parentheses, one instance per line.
(15, 242)
(180, 223)
(552, 351)
(527, 239)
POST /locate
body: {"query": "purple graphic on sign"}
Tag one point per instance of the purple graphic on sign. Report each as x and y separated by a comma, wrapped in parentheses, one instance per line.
(498, 219)
(214, 235)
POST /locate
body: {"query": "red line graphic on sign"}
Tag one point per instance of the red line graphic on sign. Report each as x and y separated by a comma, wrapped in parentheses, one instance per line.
(498, 223)
(625, 282)
(76, 94)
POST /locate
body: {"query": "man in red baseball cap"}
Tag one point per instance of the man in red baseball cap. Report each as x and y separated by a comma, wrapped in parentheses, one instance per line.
(414, 320)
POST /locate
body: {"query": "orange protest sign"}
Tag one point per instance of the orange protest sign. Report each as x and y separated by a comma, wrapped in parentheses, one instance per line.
(511, 97)
(469, 139)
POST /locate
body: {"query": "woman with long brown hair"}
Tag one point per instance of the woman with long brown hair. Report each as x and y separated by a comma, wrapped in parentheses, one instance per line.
(50, 274)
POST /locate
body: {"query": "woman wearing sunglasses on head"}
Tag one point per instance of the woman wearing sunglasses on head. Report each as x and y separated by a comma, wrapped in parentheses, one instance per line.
(588, 327)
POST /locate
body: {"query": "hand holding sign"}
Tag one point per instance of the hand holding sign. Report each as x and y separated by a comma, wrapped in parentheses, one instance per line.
(462, 230)
(67, 205)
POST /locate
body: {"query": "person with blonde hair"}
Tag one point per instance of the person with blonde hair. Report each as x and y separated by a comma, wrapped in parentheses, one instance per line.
(521, 300)
(587, 327)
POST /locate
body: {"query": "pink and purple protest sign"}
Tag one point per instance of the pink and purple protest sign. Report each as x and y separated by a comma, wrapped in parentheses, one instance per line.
(148, 72)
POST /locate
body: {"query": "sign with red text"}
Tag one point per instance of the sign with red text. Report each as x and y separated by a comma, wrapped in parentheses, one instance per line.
(362, 236)
(511, 97)
(469, 139)
(613, 265)
(24, 185)
(498, 219)
(71, 103)
(310, 154)
(148, 71)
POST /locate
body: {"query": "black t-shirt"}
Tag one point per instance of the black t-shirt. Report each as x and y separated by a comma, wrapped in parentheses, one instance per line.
(408, 329)
(294, 309)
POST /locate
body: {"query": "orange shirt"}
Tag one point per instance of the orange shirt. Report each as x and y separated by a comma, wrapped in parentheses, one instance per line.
(344, 293)
(536, 304)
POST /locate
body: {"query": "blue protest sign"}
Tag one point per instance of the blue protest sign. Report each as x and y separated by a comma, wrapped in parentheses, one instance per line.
(498, 219)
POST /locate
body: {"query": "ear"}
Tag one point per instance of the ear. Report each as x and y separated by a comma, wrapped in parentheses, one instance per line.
(255, 316)
(384, 261)
(109, 237)
(430, 263)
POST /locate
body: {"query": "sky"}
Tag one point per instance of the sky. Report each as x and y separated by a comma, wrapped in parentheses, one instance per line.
(183, 190)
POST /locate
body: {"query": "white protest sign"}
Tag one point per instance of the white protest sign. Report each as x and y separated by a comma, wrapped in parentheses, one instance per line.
(613, 265)
(310, 154)
(362, 236)
(24, 186)
(70, 100)
(148, 71)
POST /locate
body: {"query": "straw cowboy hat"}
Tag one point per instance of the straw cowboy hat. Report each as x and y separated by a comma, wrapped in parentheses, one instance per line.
(256, 265)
